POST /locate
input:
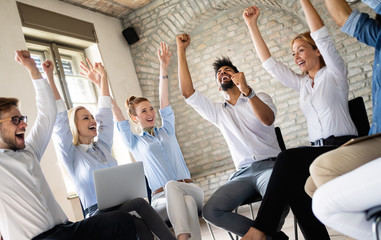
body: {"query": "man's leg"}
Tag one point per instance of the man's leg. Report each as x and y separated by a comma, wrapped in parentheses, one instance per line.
(262, 181)
(117, 225)
(242, 186)
(344, 159)
(218, 209)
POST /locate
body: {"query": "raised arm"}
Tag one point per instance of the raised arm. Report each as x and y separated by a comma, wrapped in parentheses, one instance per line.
(250, 15)
(41, 131)
(339, 10)
(48, 69)
(98, 75)
(23, 57)
(164, 56)
(185, 80)
(117, 112)
(313, 19)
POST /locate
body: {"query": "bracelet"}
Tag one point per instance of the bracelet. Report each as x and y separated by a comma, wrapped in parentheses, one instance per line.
(163, 77)
(251, 93)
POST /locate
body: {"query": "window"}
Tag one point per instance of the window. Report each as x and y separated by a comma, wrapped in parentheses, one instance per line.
(75, 89)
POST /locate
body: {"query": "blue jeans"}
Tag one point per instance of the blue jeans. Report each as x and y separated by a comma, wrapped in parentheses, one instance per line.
(244, 184)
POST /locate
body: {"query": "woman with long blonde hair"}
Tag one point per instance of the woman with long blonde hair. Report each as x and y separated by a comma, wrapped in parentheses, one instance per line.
(73, 135)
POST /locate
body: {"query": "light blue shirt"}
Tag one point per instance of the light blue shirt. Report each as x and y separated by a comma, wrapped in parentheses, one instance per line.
(80, 164)
(161, 154)
(366, 30)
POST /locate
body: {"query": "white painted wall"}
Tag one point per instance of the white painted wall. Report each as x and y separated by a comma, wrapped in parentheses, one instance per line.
(14, 80)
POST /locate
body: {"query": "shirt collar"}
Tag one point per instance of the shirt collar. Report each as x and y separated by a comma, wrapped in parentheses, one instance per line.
(86, 147)
(146, 133)
(241, 98)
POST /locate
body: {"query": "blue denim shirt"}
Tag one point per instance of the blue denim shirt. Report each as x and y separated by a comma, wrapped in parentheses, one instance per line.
(366, 30)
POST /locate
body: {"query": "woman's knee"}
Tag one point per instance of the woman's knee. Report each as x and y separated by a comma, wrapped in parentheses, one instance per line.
(170, 185)
(190, 202)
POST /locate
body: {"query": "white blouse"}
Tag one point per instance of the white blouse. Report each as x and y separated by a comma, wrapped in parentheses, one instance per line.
(325, 106)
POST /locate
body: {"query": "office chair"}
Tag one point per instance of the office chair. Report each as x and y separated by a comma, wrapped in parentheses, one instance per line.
(374, 214)
(359, 116)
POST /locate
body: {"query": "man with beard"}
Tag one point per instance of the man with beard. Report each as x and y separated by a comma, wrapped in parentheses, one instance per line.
(245, 119)
(28, 207)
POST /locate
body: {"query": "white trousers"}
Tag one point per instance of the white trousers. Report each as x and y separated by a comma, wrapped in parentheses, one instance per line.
(341, 203)
(180, 203)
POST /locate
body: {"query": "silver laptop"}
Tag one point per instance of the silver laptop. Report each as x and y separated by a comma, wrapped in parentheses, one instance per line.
(116, 185)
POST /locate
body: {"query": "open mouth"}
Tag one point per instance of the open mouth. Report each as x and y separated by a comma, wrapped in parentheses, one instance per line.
(302, 63)
(150, 119)
(225, 78)
(93, 127)
(20, 136)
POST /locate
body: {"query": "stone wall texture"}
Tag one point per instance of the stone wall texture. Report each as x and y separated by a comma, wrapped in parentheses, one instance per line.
(217, 29)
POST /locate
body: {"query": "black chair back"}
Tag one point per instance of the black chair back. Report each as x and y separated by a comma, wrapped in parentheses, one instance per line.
(280, 139)
(359, 116)
(149, 191)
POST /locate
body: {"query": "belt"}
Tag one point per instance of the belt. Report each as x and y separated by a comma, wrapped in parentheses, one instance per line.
(162, 188)
(332, 140)
(91, 209)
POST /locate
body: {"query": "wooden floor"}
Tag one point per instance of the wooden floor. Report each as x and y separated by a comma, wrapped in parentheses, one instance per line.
(288, 227)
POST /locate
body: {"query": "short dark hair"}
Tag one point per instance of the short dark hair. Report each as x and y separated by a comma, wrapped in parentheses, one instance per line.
(223, 61)
(7, 103)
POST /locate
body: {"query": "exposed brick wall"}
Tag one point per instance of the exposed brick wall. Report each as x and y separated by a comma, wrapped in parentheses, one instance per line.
(217, 28)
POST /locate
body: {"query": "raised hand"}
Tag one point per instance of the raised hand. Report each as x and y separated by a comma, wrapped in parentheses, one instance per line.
(239, 80)
(90, 73)
(250, 15)
(183, 41)
(48, 67)
(23, 57)
(164, 55)
(100, 69)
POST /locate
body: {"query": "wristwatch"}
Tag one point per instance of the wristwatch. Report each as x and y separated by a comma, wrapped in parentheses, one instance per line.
(251, 94)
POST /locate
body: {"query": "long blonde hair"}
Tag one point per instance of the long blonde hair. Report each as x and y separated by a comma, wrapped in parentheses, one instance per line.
(306, 36)
(73, 123)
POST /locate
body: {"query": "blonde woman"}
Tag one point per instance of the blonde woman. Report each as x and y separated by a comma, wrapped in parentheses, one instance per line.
(73, 136)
